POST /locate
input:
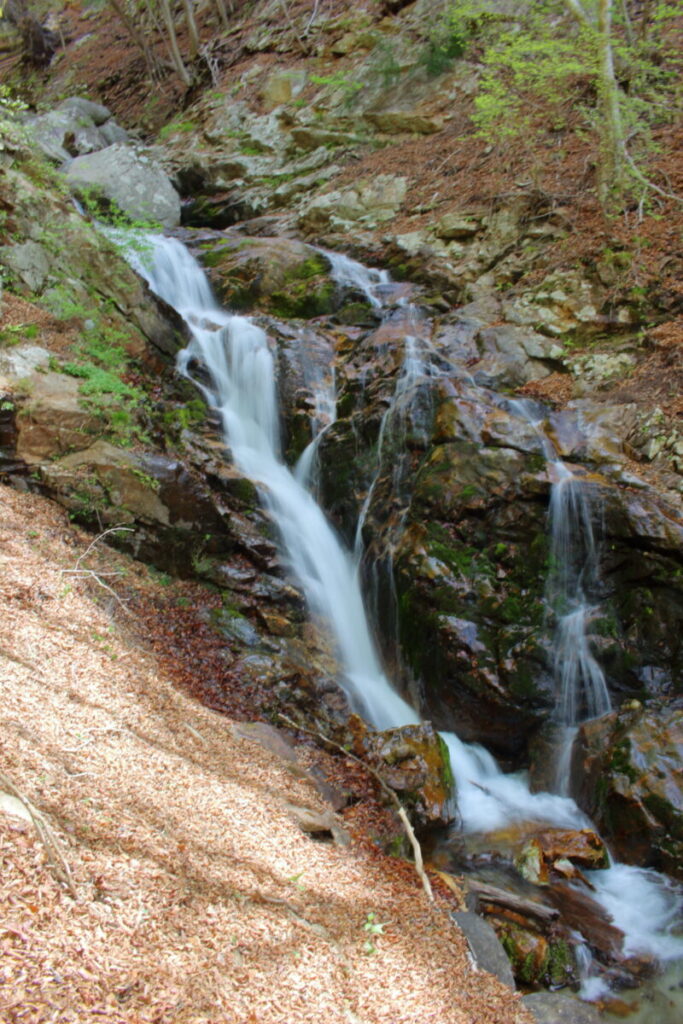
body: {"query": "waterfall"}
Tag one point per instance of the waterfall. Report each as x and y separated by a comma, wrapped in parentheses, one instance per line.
(353, 275)
(236, 355)
(573, 578)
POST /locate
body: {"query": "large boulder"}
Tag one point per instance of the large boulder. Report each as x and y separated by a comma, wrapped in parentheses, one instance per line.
(132, 181)
(628, 777)
(278, 275)
(75, 127)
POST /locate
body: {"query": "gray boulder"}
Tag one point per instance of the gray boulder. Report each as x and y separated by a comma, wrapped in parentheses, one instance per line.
(485, 946)
(75, 127)
(80, 107)
(548, 1008)
(28, 261)
(134, 182)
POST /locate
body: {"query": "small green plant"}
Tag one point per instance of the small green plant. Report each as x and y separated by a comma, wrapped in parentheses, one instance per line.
(201, 563)
(385, 64)
(12, 134)
(13, 334)
(338, 83)
(176, 126)
(373, 927)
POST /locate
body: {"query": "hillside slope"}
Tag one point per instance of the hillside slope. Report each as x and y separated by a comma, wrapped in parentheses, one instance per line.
(197, 896)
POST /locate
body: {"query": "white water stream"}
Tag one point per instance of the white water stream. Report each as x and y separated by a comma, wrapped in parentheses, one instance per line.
(240, 365)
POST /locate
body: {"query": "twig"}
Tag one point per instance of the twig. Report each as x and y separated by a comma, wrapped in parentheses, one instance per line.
(312, 18)
(100, 536)
(305, 50)
(98, 577)
(55, 856)
(417, 850)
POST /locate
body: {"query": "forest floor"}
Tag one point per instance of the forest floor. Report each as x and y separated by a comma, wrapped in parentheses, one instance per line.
(188, 892)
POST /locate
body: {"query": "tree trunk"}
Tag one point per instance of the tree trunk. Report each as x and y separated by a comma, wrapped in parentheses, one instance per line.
(191, 28)
(137, 36)
(167, 16)
(613, 139)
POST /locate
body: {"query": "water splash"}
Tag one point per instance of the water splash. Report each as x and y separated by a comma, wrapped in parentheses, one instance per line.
(350, 274)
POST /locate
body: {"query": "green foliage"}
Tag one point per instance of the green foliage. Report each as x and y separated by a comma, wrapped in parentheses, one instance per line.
(173, 127)
(373, 927)
(123, 231)
(548, 62)
(14, 334)
(12, 134)
(385, 64)
(338, 82)
(448, 40)
(100, 360)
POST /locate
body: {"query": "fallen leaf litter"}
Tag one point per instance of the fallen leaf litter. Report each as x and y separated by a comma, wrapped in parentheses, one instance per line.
(198, 897)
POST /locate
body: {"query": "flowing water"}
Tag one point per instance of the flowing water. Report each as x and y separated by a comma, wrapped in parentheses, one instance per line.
(242, 388)
(240, 365)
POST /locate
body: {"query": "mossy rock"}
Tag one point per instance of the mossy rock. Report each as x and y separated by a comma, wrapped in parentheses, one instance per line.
(275, 275)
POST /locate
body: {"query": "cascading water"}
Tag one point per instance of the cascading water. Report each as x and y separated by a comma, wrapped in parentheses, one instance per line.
(235, 353)
(572, 590)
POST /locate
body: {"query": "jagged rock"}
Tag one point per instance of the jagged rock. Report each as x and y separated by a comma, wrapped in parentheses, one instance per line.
(413, 761)
(400, 122)
(536, 943)
(136, 184)
(282, 87)
(368, 203)
(453, 225)
(526, 354)
(566, 304)
(76, 126)
(627, 772)
(319, 824)
(29, 261)
(52, 420)
(556, 851)
(17, 363)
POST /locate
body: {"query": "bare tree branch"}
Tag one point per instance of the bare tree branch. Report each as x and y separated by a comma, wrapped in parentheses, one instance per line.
(408, 828)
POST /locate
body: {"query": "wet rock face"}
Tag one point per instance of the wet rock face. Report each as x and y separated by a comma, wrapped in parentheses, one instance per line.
(454, 488)
(131, 181)
(414, 762)
(627, 768)
(468, 575)
(276, 275)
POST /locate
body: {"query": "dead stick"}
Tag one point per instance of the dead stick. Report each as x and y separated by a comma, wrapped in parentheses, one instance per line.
(414, 842)
(49, 839)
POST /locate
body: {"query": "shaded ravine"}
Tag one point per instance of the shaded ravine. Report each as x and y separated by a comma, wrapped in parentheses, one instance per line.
(235, 353)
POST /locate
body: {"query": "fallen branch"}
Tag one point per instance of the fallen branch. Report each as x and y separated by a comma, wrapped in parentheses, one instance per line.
(528, 908)
(408, 828)
(55, 856)
(83, 574)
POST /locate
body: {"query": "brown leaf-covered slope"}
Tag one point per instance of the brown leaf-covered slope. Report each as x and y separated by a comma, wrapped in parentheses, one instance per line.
(198, 897)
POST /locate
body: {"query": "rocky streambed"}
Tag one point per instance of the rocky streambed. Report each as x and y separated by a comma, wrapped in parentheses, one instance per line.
(418, 451)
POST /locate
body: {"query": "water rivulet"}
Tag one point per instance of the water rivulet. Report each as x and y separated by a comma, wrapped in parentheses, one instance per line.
(241, 386)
